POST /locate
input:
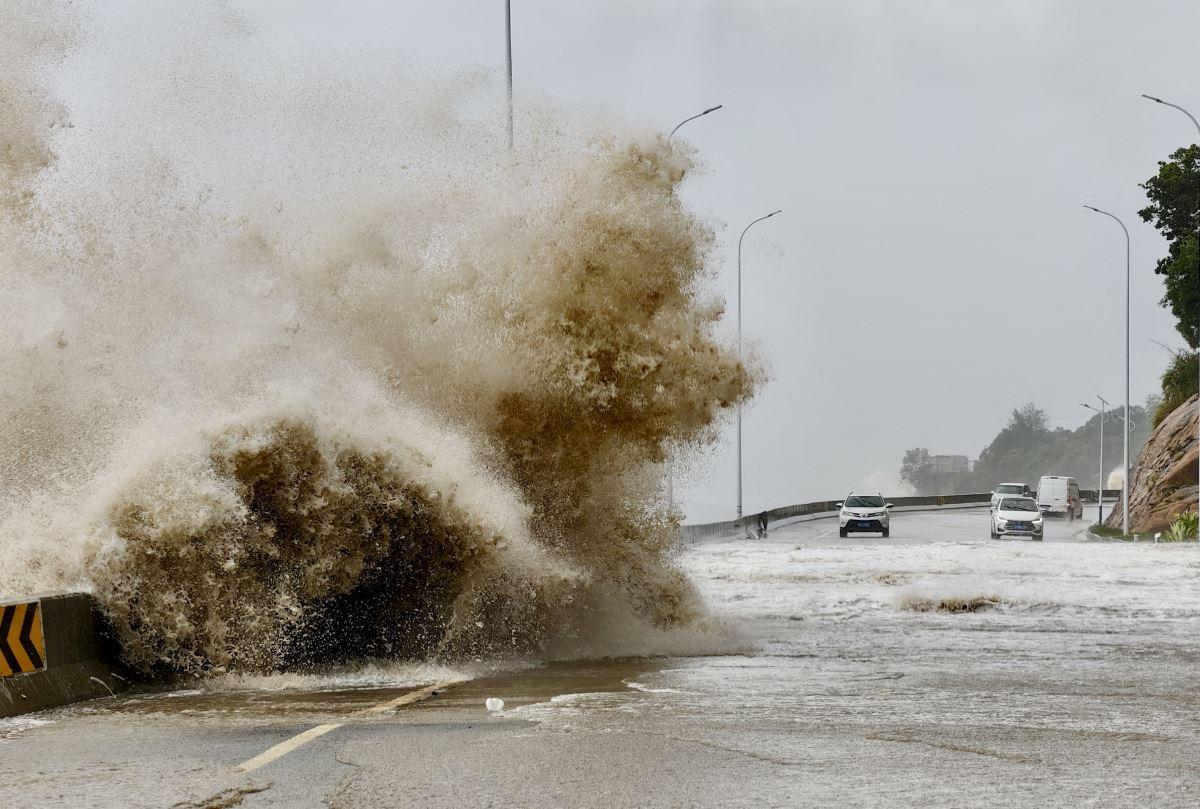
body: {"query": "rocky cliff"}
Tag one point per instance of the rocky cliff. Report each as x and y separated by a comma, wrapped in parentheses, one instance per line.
(1164, 478)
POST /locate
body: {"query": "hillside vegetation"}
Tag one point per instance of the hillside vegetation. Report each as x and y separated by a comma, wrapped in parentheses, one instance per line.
(1027, 448)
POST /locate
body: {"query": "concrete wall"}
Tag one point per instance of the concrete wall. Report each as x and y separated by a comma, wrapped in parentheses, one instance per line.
(79, 662)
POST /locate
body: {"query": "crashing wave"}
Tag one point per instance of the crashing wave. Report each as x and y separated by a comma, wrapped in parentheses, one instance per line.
(368, 384)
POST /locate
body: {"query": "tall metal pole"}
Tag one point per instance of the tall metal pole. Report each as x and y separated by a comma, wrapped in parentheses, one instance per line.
(739, 353)
(670, 471)
(1100, 495)
(1103, 417)
(1197, 123)
(508, 64)
(694, 117)
(1125, 462)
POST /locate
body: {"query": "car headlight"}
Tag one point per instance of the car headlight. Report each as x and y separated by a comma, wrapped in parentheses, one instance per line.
(1037, 520)
(1001, 522)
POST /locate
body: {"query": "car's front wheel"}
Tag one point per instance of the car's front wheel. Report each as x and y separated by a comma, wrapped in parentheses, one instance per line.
(887, 532)
(842, 532)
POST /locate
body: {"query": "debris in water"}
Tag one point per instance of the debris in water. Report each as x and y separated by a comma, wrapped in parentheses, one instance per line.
(494, 704)
(953, 604)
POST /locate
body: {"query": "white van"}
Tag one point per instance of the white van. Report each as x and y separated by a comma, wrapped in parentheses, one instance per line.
(1059, 495)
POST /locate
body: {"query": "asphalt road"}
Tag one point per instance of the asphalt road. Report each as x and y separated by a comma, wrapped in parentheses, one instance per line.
(934, 668)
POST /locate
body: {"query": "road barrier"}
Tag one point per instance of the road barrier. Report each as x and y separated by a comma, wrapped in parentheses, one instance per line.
(802, 512)
(53, 651)
(22, 645)
(786, 515)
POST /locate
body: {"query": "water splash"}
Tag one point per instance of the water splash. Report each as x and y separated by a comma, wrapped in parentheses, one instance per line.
(300, 364)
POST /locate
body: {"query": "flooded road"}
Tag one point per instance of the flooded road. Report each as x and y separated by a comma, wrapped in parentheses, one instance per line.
(936, 667)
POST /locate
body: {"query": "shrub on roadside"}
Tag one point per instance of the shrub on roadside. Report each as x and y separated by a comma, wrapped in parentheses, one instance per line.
(1183, 529)
(1178, 384)
(1102, 530)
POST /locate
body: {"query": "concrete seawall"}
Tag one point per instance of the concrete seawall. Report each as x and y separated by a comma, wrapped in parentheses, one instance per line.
(53, 652)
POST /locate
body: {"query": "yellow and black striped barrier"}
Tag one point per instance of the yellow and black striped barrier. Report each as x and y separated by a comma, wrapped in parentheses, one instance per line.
(22, 642)
(54, 650)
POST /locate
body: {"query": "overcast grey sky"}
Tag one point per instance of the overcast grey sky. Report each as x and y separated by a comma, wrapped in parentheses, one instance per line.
(934, 267)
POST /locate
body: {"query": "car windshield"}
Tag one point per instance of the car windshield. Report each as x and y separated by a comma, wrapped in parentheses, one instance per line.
(1009, 488)
(1018, 504)
(863, 501)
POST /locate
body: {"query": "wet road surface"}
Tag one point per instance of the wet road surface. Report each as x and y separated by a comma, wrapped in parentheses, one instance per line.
(934, 668)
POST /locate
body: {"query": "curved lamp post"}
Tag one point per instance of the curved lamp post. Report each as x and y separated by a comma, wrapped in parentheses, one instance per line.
(670, 476)
(739, 350)
(1197, 123)
(1125, 463)
(508, 64)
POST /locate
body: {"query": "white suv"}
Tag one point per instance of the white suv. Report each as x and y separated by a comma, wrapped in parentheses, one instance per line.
(1010, 490)
(863, 512)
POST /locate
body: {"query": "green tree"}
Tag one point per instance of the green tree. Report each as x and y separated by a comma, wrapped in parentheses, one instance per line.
(1174, 194)
(1016, 452)
(1178, 384)
(915, 469)
(1027, 448)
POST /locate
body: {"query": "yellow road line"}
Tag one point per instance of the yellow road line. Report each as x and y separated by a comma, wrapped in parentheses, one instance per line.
(283, 748)
(300, 739)
(407, 699)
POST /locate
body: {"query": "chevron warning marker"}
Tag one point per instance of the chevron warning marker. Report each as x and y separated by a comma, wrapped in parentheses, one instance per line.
(22, 644)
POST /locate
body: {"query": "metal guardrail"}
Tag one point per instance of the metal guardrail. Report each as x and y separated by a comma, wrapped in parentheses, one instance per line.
(819, 508)
(1089, 495)
(829, 508)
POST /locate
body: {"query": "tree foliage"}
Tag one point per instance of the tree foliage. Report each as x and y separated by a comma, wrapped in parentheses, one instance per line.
(915, 468)
(1178, 384)
(1174, 194)
(1027, 448)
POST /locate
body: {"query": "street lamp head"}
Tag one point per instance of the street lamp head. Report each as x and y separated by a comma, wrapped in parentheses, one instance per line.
(1090, 208)
(772, 213)
(694, 117)
(1152, 98)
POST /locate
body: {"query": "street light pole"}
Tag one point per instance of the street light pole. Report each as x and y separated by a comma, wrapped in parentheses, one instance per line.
(1125, 461)
(739, 353)
(711, 109)
(1197, 123)
(1100, 487)
(694, 117)
(508, 64)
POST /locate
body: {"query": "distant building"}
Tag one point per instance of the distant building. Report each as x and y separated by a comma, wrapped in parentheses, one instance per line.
(949, 464)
